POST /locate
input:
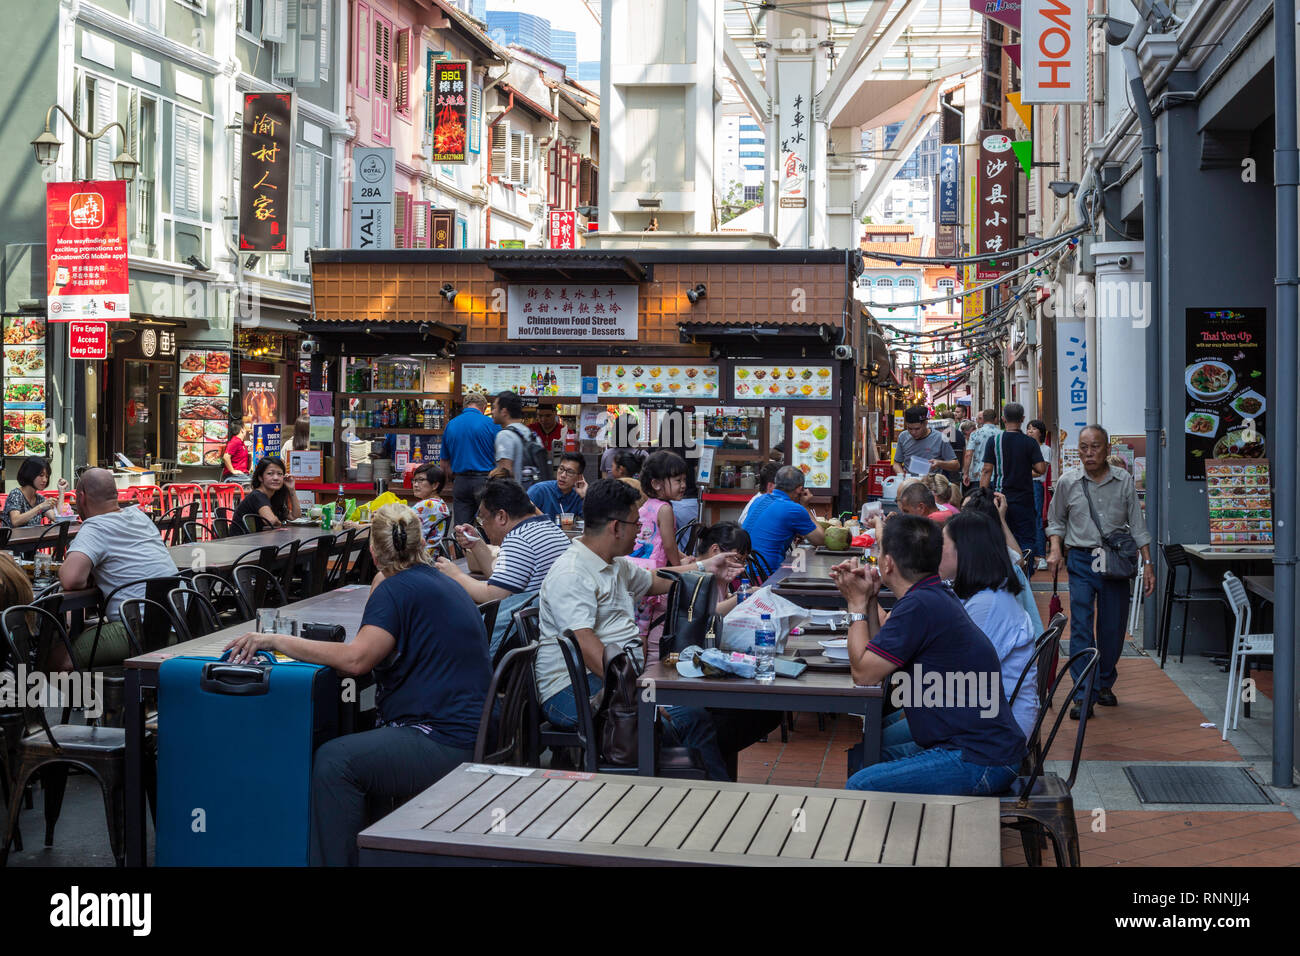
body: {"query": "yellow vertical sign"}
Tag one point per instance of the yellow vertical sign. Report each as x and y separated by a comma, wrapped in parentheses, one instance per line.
(972, 306)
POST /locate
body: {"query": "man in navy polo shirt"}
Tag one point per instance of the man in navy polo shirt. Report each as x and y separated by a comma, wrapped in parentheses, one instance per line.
(961, 738)
(467, 447)
(774, 519)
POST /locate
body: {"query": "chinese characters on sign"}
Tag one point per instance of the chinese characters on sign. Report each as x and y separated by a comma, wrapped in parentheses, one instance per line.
(580, 312)
(264, 172)
(441, 224)
(995, 208)
(85, 235)
(1072, 386)
(372, 197)
(949, 176)
(563, 228)
(448, 110)
(794, 80)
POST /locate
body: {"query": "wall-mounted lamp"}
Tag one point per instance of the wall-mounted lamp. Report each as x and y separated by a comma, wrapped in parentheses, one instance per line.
(696, 294)
(448, 292)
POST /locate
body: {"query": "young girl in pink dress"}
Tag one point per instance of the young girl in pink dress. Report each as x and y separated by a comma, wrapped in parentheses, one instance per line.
(663, 479)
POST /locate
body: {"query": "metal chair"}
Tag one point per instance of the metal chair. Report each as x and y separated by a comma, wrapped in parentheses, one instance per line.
(340, 557)
(198, 613)
(225, 495)
(53, 539)
(489, 612)
(154, 588)
(221, 518)
(223, 596)
(1245, 645)
(507, 701)
(1041, 801)
(756, 569)
(152, 625)
(1046, 650)
(259, 587)
(286, 562)
(363, 567)
(254, 523)
(194, 531)
(513, 636)
(1175, 558)
(688, 536)
(5, 535)
(170, 522)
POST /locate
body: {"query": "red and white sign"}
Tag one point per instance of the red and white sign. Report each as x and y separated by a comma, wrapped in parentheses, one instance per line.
(564, 228)
(85, 235)
(1054, 51)
(88, 340)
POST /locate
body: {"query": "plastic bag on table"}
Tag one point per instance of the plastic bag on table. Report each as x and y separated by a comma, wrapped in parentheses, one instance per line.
(738, 627)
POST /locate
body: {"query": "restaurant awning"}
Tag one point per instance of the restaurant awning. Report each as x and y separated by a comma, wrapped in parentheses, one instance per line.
(822, 334)
(542, 266)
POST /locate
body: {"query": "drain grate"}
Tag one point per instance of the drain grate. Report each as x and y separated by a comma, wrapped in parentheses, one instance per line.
(1224, 785)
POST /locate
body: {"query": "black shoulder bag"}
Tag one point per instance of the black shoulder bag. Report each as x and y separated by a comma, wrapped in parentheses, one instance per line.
(1119, 551)
(690, 605)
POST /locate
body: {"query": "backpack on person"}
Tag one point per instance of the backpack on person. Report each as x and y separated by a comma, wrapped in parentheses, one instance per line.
(535, 463)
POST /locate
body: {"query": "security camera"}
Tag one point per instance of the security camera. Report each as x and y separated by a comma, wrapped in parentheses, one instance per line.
(843, 352)
(1124, 262)
(310, 346)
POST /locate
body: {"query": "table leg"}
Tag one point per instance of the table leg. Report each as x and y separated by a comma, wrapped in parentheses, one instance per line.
(645, 736)
(136, 847)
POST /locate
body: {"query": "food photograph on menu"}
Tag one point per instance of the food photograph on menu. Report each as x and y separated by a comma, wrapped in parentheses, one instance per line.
(811, 449)
(1224, 383)
(789, 383)
(203, 418)
(632, 379)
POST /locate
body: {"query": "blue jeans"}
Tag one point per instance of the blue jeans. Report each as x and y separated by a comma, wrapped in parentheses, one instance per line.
(894, 731)
(909, 769)
(1040, 539)
(1111, 600)
(692, 724)
(1022, 523)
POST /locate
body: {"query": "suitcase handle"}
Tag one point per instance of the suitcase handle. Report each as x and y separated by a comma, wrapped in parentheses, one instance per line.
(239, 680)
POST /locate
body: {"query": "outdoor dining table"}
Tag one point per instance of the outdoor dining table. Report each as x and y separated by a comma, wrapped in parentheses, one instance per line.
(1260, 584)
(224, 552)
(24, 540)
(495, 815)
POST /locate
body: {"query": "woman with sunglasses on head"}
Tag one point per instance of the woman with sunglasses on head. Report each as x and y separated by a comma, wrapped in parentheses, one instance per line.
(431, 671)
(273, 498)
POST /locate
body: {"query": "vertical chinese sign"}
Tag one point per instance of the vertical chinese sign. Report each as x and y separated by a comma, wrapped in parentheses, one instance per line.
(563, 226)
(949, 177)
(448, 115)
(995, 210)
(85, 236)
(794, 82)
(1071, 386)
(264, 172)
(1224, 386)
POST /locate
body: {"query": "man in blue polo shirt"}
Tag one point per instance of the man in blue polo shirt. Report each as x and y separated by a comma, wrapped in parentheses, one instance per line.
(959, 737)
(564, 493)
(775, 518)
(467, 447)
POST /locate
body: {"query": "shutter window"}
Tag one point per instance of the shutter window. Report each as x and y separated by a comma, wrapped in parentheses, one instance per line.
(584, 183)
(361, 65)
(286, 52)
(401, 219)
(382, 56)
(552, 175)
(516, 173)
(309, 37)
(105, 113)
(421, 228)
(187, 132)
(402, 99)
(324, 41)
(475, 118)
(499, 146)
(575, 163)
(275, 19)
(318, 201)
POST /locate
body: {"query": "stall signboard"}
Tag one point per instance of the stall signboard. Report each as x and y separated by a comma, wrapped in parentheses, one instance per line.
(265, 160)
(372, 197)
(442, 223)
(1240, 497)
(203, 417)
(579, 312)
(636, 380)
(995, 211)
(535, 381)
(949, 177)
(1055, 44)
(563, 229)
(24, 385)
(266, 441)
(1005, 12)
(88, 340)
(1071, 387)
(448, 90)
(85, 236)
(438, 376)
(260, 398)
(1224, 386)
(784, 383)
(305, 464)
(811, 448)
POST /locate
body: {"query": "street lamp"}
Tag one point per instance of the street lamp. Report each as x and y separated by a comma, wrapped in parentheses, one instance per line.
(47, 145)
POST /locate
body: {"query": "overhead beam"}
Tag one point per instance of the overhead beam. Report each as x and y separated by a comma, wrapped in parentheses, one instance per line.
(909, 137)
(856, 49)
(833, 106)
(747, 84)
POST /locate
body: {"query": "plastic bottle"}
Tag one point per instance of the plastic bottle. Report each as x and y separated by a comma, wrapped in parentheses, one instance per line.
(765, 650)
(742, 592)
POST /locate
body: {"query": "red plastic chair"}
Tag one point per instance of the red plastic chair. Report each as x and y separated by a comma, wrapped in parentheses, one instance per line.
(226, 494)
(149, 496)
(179, 494)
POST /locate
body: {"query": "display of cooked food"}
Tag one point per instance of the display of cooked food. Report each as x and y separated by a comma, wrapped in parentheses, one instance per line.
(20, 331)
(638, 372)
(1210, 379)
(24, 392)
(656, 372)
(190, 431)
(1236, 444)
(194, 362)
(212, 457)
(203, 385)
(14, 445)
(215, 431)
(1200, 424)
(1248, 404)
(35, 444)
(35, 422)
(742, 388)
(205, 408)
(692, 372)
(760, 373)
(188, 455)
(219, 362)
(803, 424)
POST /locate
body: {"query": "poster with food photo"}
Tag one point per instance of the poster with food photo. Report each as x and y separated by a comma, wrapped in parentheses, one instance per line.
(1239, 493)
(783, 382)
(24, 361)
(1224, 379)
(673, 381)
(811, 449)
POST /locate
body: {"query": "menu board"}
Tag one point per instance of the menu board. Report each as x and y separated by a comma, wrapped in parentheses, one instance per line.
(1241, 501)
(1224, 386)
(786, 383)
(24, 386)
(536, 381)
(202, 426)
(437, 376)
(811, 449)
(670, 381)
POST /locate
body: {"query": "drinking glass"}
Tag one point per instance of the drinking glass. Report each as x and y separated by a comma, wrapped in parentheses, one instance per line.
(286, 625)
(266, 618)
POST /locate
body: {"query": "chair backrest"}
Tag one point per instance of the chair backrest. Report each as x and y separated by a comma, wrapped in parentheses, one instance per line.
(286, 561)
(54, 539)
(586, 729)
(512, 637)
(489, 612)
(323, 548)
(150, 625)
(259, 587)
(686, 535)
(30, 633)
(363, 570)
(222, 595)
(1088, 656)
(340, 555)
(193, 531)
(149, 497)
(528, 623)
(255, 523)
(1175, 555)
(5, 535)
(226, 494)
(198, 613)
(221, 518)
(1238, 601)
(1047, 652)
(263, 555)
(757, 569)
(507, 698)
(183, 493)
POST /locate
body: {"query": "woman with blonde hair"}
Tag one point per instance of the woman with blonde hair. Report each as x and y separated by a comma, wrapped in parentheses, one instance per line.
(943, 491)
(423, 637)
(15, 586)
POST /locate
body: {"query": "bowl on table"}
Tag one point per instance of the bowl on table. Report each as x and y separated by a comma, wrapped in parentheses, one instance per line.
(836, 650)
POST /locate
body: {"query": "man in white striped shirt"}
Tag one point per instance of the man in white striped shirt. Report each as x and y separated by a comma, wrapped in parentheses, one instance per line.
(530, 543)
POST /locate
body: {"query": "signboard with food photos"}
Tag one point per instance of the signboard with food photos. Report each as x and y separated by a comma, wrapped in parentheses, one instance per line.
(203, 417)
(1224, 386)
(784, 383)
(632, 380)
(1240, 496)
(24, 386)
(811, 447)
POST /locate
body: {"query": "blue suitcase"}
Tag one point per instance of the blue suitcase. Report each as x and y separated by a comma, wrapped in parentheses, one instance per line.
(235, 746)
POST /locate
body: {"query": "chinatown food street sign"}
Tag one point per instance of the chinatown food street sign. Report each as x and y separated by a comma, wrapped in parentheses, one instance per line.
(267, 157)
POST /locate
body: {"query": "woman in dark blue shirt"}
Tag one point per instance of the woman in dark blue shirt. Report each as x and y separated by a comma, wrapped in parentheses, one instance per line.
(423, 637)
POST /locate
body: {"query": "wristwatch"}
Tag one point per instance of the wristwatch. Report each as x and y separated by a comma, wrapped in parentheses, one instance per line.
(699, 566)
(854, 617)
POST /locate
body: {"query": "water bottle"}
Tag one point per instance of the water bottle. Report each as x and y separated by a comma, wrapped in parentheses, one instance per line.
(742, 592)
(765, 650)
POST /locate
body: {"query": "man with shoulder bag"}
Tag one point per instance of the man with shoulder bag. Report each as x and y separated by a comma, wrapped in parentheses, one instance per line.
(1096, 514)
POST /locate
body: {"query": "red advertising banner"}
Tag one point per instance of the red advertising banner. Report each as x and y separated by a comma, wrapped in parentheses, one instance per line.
(85, 236)
(995, 208)
(564, 228)
(448, 87)
(88, 340)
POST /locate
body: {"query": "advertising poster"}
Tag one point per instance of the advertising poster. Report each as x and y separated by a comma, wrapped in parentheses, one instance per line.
(1224, 387)
(24, 386)
(994, 209)
(202, 426)
(260, 399)
(266, 441)
(85, 240)
(671, 381)
(1240, 497)
(448, 89)
(267, 157)
(813, 383)
(811, 448)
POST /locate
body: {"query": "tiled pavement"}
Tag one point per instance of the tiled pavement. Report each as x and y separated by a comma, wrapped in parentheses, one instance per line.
(1156, 721)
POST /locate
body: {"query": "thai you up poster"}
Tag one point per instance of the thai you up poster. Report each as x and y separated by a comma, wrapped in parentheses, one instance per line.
(1224, 385)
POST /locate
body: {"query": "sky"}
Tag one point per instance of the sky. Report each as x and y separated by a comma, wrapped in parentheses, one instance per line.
(564, 15)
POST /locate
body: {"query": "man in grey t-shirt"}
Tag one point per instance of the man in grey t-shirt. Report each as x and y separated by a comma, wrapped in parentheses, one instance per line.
(920, 441)
(508, 412)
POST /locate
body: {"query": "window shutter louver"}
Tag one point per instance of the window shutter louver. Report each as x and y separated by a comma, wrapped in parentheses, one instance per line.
(584, 183)
(553, 176)
(105, 113)
(286, 51)
(361, 67)
(499, 145)
(318, 201)
(309, 36)
(575, 163)
(421, 213)
(275, 18)
(383, 67)
(401, 219)
(402, 100)
(516, 158)
(324, 41)
(475, 119)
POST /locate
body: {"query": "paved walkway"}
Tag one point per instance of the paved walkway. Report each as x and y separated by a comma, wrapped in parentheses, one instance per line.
(1158, 720)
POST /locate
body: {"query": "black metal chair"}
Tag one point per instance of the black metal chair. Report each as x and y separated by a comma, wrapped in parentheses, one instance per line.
(584, 735)
(756, 569)
(286, 563)
(1046, 650)
(1176, 557)
(221, 519)
(363, 567)
(504, 725)
(170, 522)
(489, 612)
(688, 537)
(340, 557)
(313, 579)
(152, 625)
(198, 613)
(52, 751)
(259, 587)
(223, 596)
(194, 531)
(254, 523)
(1041, 801)
(5, 535)
(512, 637)
(155, 589)
(53, 539)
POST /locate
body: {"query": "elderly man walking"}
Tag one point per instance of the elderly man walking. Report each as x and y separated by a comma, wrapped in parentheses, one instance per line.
(1098, 605)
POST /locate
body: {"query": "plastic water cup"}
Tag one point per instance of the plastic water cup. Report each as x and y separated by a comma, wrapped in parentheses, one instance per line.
(266, 620)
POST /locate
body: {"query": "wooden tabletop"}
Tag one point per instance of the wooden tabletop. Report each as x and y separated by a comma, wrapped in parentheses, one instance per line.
(344, 605)
(1229, 552)
(503, 814)
(810, 683)
(1261, 584)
